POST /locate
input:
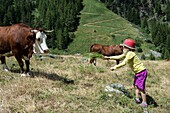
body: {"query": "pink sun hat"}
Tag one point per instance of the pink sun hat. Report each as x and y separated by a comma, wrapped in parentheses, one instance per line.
(129, 43)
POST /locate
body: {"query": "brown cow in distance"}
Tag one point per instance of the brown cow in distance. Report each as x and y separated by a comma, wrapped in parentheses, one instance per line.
(18, 40)
(106, 50)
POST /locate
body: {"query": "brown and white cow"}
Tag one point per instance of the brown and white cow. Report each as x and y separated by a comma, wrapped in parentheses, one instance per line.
(106, 50)
(18, 40)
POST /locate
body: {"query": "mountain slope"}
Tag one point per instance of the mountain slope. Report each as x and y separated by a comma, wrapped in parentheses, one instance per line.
(100, 25)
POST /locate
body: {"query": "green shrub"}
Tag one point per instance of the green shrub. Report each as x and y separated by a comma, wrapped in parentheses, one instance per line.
(139, 49)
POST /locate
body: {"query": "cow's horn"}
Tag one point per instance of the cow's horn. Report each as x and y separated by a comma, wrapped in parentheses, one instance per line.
(34, 31)
(49, 31)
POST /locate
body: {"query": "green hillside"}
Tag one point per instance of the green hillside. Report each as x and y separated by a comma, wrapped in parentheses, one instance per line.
(100, 25)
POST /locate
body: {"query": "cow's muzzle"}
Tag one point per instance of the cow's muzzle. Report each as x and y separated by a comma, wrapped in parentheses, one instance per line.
(46, 51)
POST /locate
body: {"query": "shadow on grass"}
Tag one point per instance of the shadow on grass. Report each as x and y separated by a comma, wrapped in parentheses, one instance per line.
(50, 76)
(151, 101)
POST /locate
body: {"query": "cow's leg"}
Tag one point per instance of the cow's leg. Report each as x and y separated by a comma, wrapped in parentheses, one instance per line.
(93, 60)
(117, 62)
(3, 61)
(20, 62)
(27, 62)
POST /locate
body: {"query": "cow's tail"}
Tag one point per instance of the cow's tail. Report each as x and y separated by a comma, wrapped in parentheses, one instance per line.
(91, 48)
(92, 57)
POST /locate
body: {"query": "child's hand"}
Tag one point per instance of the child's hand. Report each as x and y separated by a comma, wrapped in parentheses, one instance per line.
(112, 68)
(106, 58)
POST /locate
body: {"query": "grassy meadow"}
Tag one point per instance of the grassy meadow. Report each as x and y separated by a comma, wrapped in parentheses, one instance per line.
(100, 25)
(69, 84)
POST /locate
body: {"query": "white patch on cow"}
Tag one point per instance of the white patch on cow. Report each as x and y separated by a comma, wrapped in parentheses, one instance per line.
(34, 30)
(40, 44)
(6, 70)
(95, 62)
(25, 74)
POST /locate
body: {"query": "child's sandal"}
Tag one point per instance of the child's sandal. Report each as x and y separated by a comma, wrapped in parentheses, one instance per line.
(137, 101)
(144, 104)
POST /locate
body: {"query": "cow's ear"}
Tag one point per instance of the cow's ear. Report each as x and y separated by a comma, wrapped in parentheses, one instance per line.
(32, 36)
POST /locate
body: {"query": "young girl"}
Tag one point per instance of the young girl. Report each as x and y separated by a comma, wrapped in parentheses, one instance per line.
(136, 65)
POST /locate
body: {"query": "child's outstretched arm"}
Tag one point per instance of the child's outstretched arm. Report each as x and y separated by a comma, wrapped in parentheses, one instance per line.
(124, 62)
(118, 57)
(128, 57)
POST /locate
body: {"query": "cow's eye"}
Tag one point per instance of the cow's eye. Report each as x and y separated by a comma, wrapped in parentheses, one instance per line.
(38, 39)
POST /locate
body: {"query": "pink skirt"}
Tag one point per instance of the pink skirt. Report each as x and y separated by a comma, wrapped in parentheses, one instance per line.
(139, 80)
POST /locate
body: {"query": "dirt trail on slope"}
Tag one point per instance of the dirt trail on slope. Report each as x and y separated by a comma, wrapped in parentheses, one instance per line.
(115, 32)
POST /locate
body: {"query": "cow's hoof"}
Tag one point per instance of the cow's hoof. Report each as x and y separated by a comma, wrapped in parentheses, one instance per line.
(25, 74)
(29, 74)
(6, 70)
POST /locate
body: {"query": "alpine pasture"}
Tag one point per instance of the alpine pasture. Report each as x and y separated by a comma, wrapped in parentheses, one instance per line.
(69, 84)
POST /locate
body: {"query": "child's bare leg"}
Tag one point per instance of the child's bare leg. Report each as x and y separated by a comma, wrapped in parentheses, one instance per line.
(137, 92)
(144, 103)
(143, 96)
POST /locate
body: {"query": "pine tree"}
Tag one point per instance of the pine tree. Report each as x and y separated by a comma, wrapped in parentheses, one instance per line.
(166, 53)
(167, 11)
(59, 40)
(168, 42)
(158, 10)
